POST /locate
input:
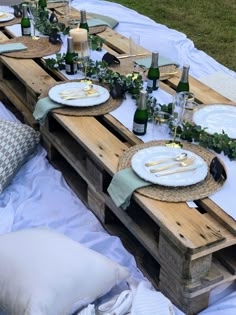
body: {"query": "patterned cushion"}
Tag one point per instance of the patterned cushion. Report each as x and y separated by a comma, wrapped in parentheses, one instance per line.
(17, 142)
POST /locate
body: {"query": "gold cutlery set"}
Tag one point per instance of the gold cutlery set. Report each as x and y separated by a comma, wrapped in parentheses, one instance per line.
(182, 164)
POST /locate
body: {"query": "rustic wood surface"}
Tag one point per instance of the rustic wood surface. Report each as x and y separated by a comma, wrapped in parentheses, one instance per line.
(185, 251)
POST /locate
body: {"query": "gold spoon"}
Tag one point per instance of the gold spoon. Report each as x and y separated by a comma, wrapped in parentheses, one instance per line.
(180, 157)
(184, 163)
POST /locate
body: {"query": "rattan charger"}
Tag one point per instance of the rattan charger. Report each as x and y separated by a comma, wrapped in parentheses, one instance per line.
(197, 191)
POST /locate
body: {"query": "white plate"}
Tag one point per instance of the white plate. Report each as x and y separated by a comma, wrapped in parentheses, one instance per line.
(4, 16)
(54, 94)
(217, 118)
(162, 152)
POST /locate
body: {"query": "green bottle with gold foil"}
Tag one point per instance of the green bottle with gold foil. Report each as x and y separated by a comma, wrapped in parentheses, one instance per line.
(25, 22)
(83, 20)
(141, 115)
(153, 76)
(183, 85)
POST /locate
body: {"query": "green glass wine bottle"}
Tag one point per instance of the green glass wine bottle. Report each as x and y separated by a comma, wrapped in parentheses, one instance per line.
(183, 85)
(25, 22)
(141, 115)
(83, 20)
(42, 4)
(70, 64)
(153, 76)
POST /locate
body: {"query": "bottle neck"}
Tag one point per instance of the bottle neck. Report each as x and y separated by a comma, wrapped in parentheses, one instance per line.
(155, 57)
(184, 77)
(142, 104)
(70, 46)
(25, 13)
(83, 18)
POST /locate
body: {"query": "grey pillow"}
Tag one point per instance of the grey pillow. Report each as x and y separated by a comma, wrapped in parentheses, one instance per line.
(17, 142)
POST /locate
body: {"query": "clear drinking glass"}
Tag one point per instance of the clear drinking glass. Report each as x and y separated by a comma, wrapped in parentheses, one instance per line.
(82, 51)
(33, 12)
(189, 104)
(160, 129)
(179, 100)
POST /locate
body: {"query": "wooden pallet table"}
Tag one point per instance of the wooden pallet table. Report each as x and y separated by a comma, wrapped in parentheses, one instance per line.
(185, 252)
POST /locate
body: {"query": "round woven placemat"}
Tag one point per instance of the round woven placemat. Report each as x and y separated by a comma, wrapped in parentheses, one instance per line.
(175, 194)
(35, 48)
(101, 109)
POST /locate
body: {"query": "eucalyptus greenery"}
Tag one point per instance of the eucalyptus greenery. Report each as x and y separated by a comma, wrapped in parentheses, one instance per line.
(44, 26)
(133, 83)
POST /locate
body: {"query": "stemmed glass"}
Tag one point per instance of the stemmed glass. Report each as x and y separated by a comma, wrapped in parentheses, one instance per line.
(82, 51)
(33, 12)
(179, 100)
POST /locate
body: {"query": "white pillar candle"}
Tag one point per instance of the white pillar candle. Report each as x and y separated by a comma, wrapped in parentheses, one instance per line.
(80, 40)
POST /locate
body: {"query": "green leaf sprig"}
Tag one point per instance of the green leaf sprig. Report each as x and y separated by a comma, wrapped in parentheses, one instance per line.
(133, 83)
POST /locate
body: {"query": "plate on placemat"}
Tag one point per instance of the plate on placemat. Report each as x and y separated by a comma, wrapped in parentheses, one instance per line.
(157, 153)
(217, 118)
(58, 92)
(35, 48)
(181, 193)
(4, 17)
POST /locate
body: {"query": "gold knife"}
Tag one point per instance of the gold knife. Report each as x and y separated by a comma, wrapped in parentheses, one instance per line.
(179, 170)
(129, 56)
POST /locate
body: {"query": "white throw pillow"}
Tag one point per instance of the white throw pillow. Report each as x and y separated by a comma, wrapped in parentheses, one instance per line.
(43, 272)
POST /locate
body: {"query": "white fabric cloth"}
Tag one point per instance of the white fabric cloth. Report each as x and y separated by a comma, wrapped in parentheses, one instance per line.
(139, 300)
(39, 196)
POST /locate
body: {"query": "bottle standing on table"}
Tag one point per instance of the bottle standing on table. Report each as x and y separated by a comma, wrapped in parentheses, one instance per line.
(25, 22)
(141, 115)
(183, 85)
(70, 64)
(42, 4)
(153, 76)
(83, 21)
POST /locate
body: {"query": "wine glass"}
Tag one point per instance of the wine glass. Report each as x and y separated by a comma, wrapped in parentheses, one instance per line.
(33, 13)
(179, 100)
(82, 51)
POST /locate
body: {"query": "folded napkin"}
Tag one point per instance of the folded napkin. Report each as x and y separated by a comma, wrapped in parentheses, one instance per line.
(162, 61)
(112, 23)
(122, 186)
(4, 48)
(43, 106)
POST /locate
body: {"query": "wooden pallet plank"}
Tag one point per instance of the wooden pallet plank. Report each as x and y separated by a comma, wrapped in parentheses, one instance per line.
(188, 228)
(29, 73)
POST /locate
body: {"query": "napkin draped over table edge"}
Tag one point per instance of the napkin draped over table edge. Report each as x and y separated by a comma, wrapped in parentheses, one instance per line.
(122, 186)
(43, 106)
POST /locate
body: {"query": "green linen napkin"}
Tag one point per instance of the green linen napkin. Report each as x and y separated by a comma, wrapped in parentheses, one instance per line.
(122, 186)
(97, 22)
(112, 23)
(162, 61)
(4, 48)
(43, 106)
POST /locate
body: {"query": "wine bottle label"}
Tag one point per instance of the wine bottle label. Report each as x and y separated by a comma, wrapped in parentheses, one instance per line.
(26, 31)
(139, 128)
(153, 84)
(71, 68)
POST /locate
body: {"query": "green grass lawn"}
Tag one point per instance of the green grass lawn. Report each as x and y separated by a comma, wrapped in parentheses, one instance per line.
(210, 24)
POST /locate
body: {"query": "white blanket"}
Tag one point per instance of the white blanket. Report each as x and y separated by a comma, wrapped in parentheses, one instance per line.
(29, 202)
